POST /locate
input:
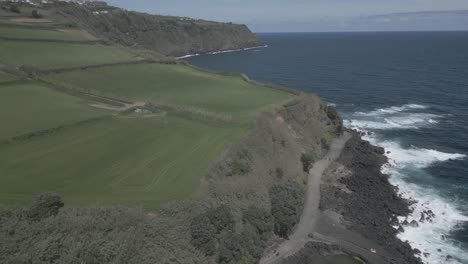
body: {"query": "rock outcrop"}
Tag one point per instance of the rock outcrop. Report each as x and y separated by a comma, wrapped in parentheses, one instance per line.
(370, 204)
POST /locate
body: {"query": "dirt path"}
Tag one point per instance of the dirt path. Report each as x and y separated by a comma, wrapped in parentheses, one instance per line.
(311, 211)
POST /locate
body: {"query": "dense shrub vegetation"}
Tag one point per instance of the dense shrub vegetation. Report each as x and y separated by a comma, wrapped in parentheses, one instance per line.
(332, 113)
(206, 228)
(15, 9)
(47, 204)
(213, 233)
(286, 206)
(245, 247)
(307, 160)
(36, 14)
(240, 165)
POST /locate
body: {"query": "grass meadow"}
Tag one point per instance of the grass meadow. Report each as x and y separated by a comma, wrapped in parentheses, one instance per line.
(175, 85)
(6, 77)
(12, 31)
(29, 107)
(114, 161)
(51, 55)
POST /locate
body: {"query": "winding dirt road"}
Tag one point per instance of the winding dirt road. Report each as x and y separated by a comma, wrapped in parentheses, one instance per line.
(311, 212)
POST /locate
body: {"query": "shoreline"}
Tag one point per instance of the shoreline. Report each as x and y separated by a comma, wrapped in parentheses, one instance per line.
(220, 52)
(433, 218)
(360, 206)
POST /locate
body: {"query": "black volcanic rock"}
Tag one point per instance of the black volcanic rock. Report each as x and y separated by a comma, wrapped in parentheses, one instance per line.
(373, 203)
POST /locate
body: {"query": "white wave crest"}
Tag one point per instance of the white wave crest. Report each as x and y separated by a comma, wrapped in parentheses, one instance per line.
(418, 157)
(222, 51)
(393, 110)
(430, 236)
(407, 121)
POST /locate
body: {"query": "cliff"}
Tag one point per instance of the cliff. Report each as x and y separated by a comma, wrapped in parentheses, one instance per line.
(168, 35)
(251, 196)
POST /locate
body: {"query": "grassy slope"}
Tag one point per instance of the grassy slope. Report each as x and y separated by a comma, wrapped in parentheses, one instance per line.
(11, 31)
(175, 84)
(31, 107)
(137, 161)
(6, 77)
(49, 55)
(114, 161)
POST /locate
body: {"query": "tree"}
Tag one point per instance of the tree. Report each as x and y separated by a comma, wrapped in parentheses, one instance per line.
(286, 206)
(36, 14)
(46, 205)
(306, 160)
(206, 228)
(203, 234)
(242, 248)
(332, 113)
(15, 9)
(325, 144)
(221, 218)
(259, 218)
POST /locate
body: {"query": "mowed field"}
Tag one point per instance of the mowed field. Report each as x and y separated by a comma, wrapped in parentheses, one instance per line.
(38, 33)
(6, 77)
(93, 156)
(51, 55)
(115, 161)
(31, 107)
(175, 85)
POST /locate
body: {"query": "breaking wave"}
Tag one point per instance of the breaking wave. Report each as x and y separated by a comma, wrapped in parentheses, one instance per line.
(396, 117)
(435, 217)
(222, 51)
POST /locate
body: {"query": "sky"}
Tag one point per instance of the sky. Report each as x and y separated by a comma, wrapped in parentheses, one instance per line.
(303, 15)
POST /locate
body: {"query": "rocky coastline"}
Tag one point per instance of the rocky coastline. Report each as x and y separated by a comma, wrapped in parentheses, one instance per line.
(368, 205)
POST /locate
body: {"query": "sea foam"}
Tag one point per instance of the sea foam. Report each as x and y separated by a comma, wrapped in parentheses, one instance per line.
(395, 117)
(431, 236)
(222, 51)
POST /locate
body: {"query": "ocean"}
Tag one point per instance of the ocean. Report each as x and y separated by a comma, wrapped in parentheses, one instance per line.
(408, 91)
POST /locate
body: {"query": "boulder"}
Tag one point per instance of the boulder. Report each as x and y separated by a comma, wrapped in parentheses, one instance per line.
(414, 224)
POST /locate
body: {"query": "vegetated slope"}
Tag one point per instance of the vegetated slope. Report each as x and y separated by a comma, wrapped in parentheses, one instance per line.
(225, 160)
(6, 77)
(174, 36)
(49, 55)
(38, 33)
(113, 161)
(108, 125)
(252, 194)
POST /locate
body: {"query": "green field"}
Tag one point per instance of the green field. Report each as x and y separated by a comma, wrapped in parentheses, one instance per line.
(26, 108)
(11, 31)
(114, 161)
(50, 55)
(6, 77)
(175, 84)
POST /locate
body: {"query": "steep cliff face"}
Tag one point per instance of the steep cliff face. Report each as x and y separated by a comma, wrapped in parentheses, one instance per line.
(173, 36)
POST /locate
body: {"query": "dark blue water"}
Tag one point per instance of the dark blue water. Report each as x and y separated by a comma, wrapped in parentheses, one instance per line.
(410, 90)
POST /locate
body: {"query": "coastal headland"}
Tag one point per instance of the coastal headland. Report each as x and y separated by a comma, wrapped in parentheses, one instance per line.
(116, 152)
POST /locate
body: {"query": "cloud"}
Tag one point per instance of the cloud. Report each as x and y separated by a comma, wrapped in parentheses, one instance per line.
(262, 13)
